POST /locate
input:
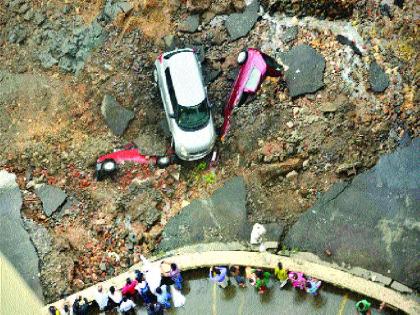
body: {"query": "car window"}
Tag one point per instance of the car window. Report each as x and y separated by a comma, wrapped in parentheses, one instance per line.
(253, 80)
(171, 90)
(194, 117)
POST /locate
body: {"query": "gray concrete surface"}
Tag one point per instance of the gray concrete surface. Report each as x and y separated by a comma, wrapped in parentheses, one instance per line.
(15, 244)
(372, 222)
(203, 297)
(221, 218)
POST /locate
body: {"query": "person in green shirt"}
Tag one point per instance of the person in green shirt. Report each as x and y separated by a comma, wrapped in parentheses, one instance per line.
(281, 274)
(262, 281)
(363, 307)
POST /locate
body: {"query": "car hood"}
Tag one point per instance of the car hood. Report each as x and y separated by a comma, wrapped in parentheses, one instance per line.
(194, 142)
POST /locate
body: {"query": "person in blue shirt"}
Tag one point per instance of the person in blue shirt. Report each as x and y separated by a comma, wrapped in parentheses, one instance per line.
(219, 276)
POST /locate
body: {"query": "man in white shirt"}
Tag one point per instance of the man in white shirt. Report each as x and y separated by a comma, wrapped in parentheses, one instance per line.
(101, 298)
(127, 306)
(115, 297)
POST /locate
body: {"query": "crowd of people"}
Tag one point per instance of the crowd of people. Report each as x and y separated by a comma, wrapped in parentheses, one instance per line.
(262, 279)
(156, 287)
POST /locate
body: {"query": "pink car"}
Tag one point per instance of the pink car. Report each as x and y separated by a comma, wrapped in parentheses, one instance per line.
(255, 66)
(107, 164)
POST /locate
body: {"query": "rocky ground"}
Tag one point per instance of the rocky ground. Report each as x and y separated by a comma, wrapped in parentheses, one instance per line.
(69, 68)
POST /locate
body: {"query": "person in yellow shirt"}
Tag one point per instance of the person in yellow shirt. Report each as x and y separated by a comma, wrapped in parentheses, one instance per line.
(281, 274)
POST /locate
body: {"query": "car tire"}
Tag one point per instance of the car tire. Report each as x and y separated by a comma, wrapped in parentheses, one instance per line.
(163, 161)
(242, 57)
(109, 166)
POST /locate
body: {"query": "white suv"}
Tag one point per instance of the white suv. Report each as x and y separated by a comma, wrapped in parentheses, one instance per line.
(184, 97)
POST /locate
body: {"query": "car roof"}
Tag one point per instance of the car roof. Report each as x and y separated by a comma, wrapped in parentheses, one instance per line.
(186, 78)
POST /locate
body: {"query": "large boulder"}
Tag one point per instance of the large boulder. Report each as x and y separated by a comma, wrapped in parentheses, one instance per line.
(373, 221)
(116, 117)
(221, 218)
(305, 70)
(15, 243)
(240, 24)
(52, 198)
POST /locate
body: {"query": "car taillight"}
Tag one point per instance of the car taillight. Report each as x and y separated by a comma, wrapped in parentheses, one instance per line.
(160, 58)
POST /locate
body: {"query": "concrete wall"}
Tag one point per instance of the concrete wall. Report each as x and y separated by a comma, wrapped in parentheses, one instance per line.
(15, 295)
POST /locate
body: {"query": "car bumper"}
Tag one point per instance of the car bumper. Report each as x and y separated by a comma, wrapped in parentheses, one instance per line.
(195, 156)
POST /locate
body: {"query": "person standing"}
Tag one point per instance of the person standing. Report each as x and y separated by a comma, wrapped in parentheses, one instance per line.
(127, 306)
(175, 275)
(101, 298)
(115, 298)
(218, 275)
(312, 285)
(144, 292)
(53, 310)
(163, 296)
(297, 279)
(281, 274)
(236, 273)
(130, 288)
(263, 278)
(363, 307)
(154, 309)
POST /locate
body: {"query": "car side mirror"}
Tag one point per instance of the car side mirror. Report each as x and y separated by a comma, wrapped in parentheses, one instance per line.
(172, 115)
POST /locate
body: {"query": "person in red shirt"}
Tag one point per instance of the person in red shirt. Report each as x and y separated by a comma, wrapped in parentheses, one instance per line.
(130, 288)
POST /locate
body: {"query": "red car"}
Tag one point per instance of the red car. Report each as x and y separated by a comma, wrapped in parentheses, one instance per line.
(107, 164)
(255, 66)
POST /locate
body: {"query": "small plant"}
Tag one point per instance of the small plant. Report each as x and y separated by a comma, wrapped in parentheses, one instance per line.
(209, 178)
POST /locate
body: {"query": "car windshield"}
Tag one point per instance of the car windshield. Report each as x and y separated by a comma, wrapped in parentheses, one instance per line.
(194, 117)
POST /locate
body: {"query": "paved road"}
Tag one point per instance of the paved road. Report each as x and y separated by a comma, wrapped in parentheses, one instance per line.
(205, 298)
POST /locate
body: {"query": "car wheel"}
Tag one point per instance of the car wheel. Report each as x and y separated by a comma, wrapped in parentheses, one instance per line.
(109, 166)
(242, 57)
(155, 78)
(163, 161)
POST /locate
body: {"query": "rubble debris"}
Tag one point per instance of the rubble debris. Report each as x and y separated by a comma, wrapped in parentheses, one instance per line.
(116, 117)
(378, 79)
(290, 34)
(240, 24)
(52, 197)
(190, 24)
(351, 43)
(305, 70)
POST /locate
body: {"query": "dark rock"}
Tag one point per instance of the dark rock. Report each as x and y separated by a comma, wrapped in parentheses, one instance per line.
(399, 3)
(371, 222)
(147, 214)
(210, 75)
(240, 24)
(171, 42)
(290, 34)
(52, 198)
(190, 24)
(345, 41)
(47, 60)
(116, 117)
(378, 79)
(385, 10)
(15, 244)
(305, 72)
(221, 218)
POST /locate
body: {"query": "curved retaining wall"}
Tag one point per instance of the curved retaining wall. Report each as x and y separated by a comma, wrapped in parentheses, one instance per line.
(198, 259)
